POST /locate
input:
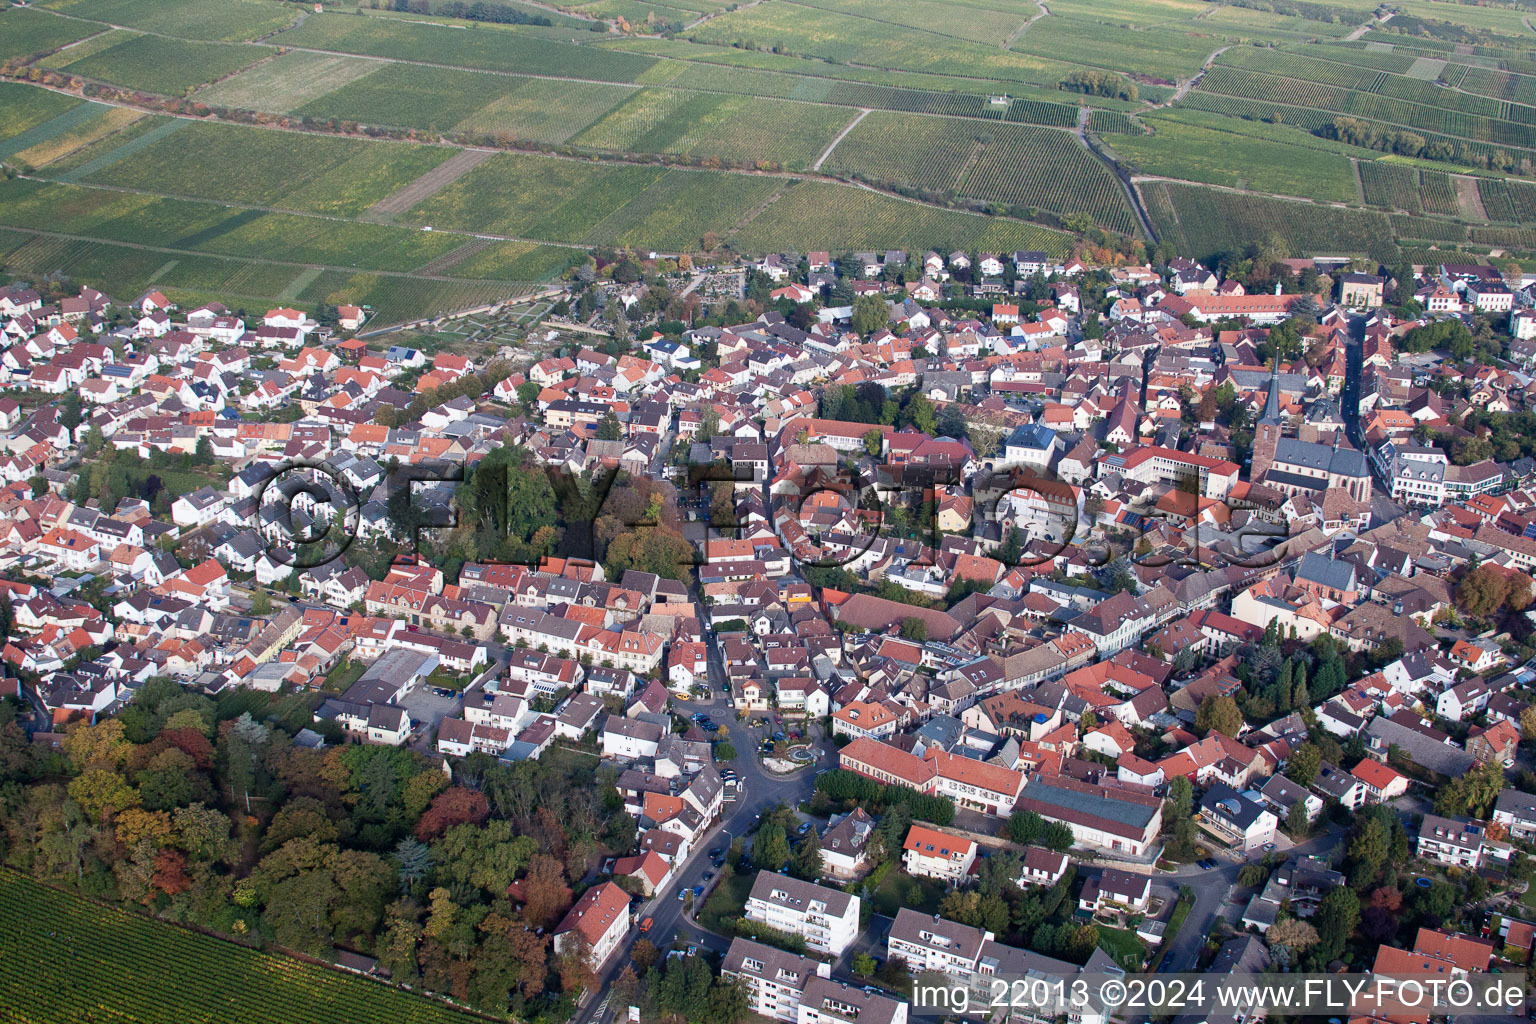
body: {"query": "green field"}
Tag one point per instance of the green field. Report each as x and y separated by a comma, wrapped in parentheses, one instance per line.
(214, 20)
(1015, 165)
(171, 67)
(311, 173)
(97, 123)
(23, 109)
(287, 82)
(957, 103)
(1178, 150)
(814, 215)
(25, 32)
(1206, 221)
(67, 959)
(483, 47)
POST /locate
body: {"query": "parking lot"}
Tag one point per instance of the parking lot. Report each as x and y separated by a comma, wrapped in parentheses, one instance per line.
(427, 707)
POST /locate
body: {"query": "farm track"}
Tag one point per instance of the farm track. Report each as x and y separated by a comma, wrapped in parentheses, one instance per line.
(1471, 199)
(1126, 184)
(428, 185)
(715, 14)
(1008, 43)
(863, 113)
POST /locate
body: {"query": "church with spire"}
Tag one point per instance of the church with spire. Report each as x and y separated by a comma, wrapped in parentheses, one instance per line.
(1292, 466)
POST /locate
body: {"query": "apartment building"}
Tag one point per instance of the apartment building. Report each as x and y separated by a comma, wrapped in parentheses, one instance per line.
(773, 979)
(799, 990)
(827, 919)
(930, 853)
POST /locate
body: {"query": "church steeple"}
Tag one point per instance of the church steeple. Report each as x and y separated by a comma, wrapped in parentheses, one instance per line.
(1271, 412)
(1266, 433)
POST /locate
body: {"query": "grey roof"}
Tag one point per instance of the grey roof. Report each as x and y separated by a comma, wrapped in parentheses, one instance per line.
(797, 894)
(1322, 457)
(1317, 567)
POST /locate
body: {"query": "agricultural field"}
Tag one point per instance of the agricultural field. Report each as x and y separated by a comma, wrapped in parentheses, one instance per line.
(675, 213)
(974, 22)
(286, 82)
(743, 130)
(66, 958)
(1016, 165)
(226, 21)
(408, 96)
(1206, 221)
(816, 215)
(927, 152)
(1169, 54)
(97, 123)
(1508, 200)
(516, 261)
(26, 32)
(1393, 186)
(23, 109)
(844, 38)
(544, 110)
(484, 47)
(1191, 153)
(311, 173)
(171, 67)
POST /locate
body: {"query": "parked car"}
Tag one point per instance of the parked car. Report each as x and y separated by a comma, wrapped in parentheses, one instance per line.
(645, 925)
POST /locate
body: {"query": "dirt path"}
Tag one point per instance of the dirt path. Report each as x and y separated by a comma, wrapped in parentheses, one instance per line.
(1044, 11)
(429, 184)
(1194, 80)
(1363, 29)
(715, 14)
(1126, 184)
(1471, 201)
(863, 112)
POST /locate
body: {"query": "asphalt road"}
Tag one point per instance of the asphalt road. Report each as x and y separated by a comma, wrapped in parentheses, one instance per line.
(759, 793)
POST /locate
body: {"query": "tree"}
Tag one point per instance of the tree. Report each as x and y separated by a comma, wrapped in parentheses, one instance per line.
(261, 603)
(914, 628)
(870, 314)
(770, 850)
(807, 862)
(1304, 763)
(1335, 921)
(1293, 933)
(1296, 821)
(452, 807)
(1219, 714)
(863, 965)
(873, 442)
(644, 954)
(546, 896)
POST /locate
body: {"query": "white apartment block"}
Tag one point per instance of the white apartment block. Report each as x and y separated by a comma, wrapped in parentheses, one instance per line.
(827, 919)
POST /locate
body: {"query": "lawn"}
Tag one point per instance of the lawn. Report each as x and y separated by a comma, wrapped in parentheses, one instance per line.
(1124, 945)
(65, 958)
(897, 889)
(726, 900)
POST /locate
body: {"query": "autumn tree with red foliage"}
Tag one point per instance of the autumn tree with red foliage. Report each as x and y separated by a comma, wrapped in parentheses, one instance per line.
(456, 806)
